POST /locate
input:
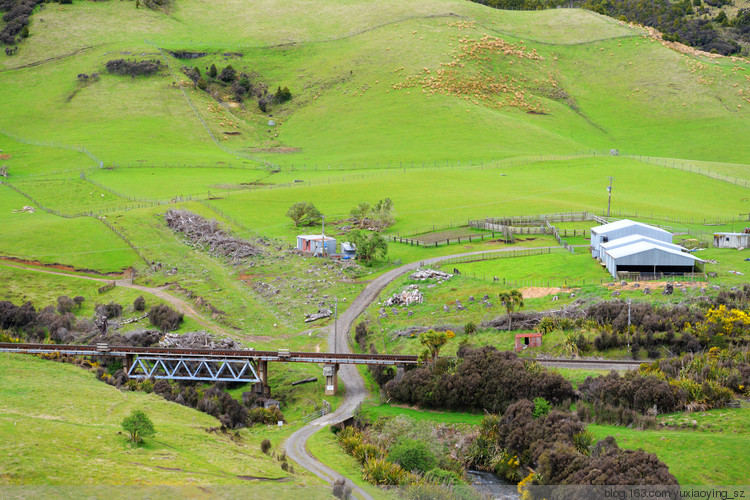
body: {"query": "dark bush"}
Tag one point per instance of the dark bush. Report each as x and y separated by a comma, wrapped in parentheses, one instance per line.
(227, 74)
(65, 304)
(133, 68)
(164, 317)
(139, 304)
(111, 310)
(360, 335)
(283, 95)
(632, 391)
(484, 379)
(265, 446)
(212, 71)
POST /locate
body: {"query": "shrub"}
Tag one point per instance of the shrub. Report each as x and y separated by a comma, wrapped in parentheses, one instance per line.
(111, 310)
(412, 456)
(265, 446)
(383, 472)
(227, 74)
(201, 83)
(541, 407)
(139, 304)
(212, 71)
(283, 95)
(367, 451)
(164, 317)
(341, 489)
(360, 335)
(470, 328)
(65, 304)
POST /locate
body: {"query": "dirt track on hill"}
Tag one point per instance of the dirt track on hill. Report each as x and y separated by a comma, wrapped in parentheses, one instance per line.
(159, 292)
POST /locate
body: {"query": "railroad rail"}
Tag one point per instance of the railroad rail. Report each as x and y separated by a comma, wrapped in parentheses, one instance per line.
(281, 355)
(214, 365)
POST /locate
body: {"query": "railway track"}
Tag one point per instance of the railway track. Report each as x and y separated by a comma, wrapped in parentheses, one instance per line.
(278, 356)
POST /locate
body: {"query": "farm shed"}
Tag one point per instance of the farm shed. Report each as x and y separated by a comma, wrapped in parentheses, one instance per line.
(316, 245)
(647, 257)
(622, 228)
(635, 238)
(524, 340)
(732, 240)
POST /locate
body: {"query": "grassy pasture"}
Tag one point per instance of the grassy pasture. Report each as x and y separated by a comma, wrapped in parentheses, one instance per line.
(83, 243)
(715, 457)
(82, 444)
(547, 187)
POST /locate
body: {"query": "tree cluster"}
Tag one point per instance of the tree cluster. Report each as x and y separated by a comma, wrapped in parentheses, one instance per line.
(373, 217)
(484, 379)
(133, 68)
(16, 17)
(558, 451)
(242, 85)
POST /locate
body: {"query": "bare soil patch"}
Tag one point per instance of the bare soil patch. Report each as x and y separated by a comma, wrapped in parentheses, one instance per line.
(5, 157)
(536, 292)
(281, 149)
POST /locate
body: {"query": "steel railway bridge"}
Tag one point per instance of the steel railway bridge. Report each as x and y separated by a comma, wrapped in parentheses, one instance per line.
(213, 365)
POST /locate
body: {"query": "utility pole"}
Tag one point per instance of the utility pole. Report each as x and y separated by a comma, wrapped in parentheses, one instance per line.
(609, 190)
(335, 323)
(323, 239)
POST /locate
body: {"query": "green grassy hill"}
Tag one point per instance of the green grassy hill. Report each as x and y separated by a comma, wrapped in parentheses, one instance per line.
(601, 85)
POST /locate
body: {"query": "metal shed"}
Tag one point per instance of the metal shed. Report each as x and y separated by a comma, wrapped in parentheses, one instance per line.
(622, 228)
(646, 257)
(635, 238)
(732, 240)
(315, 244)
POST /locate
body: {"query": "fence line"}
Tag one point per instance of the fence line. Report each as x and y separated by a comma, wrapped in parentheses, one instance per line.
(679, 165)
(125, 239)
(56, 145)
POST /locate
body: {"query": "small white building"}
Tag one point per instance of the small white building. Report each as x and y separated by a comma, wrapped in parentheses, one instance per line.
(316, 244)
(649, 257)
(622, 228)
(732, 240)
(635, 238)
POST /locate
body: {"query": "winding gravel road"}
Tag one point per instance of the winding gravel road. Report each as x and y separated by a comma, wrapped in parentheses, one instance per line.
(295, 446)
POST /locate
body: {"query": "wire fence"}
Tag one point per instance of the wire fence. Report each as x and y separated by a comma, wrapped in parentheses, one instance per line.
(692, 168)
(56, 145)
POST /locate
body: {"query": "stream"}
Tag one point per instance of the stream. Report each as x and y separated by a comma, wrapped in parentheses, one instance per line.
(489, 484)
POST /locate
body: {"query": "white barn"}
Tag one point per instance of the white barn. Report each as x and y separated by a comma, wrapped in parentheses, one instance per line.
(649, 257)
(731, 240)
(622, 228)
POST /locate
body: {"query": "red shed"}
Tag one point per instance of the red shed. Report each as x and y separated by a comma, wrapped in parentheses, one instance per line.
(524, 340)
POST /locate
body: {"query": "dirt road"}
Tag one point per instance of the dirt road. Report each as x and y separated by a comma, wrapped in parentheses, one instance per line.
(295, 446)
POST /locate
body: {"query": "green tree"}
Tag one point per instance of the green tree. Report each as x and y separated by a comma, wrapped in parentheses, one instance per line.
(369, 246)
(433, 342)
(382, 212)
(360, 212)
(202, 83)
(212, 71)
(138, 426)
(511, 300)
(304, 213)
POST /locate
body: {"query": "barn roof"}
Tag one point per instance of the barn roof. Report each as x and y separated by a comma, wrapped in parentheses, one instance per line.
(635, 238)
(621, 224)
(645, 246)
(314, 237)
